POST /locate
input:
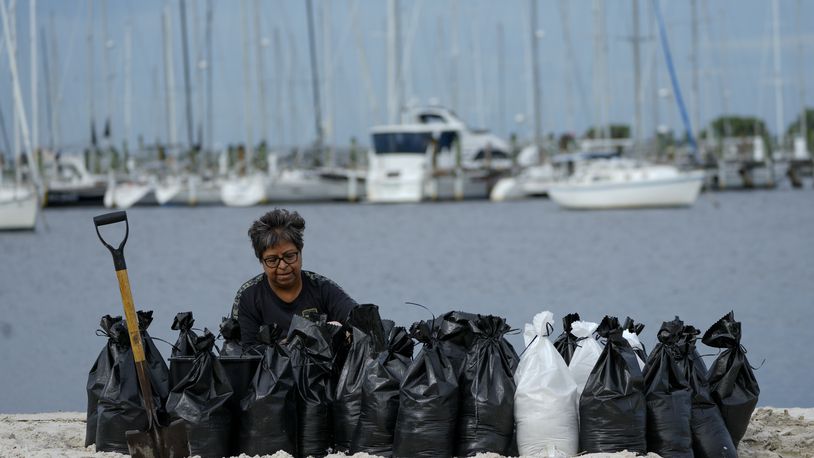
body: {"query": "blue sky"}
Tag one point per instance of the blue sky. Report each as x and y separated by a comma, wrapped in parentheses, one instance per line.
(734, 57)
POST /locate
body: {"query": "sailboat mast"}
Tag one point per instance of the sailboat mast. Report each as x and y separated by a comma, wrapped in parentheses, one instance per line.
(128, 86)
(187, 82)
(49, 96)
(696, 98)
(91, 93)
(57, 85)
(32, 37)
(169, 78)
(260, 67)
(535, 81)
(247, 105)
(18, 99)
(210, 123)
(393, 59)
(637, 78)
(315, 77)
(800, 65)
(778, 82)
(107, 72)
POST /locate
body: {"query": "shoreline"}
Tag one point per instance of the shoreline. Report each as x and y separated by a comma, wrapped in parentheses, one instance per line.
(772, 433)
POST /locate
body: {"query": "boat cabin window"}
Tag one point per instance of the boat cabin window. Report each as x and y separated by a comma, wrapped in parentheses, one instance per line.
(401, 142)
(427, 118)
(496, 154)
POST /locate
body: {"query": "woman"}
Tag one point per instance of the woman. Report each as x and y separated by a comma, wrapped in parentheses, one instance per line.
(284, 289)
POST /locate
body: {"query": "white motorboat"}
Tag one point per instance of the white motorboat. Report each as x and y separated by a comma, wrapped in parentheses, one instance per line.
(623, 183)
(436, 159)
(18, 207)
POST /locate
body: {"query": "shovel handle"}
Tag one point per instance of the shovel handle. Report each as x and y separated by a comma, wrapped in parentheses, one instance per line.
(117, 252)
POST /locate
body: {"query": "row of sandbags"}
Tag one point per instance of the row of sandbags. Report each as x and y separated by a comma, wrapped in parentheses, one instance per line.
(358, 389)
(667, 403)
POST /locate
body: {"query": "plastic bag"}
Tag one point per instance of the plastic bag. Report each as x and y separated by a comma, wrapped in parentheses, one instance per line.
(566, 343)
(636, 329)
(668, 396)
(269, 411)
(732, 383)
(487, 388)
(120, 407)
(200, 399)
(586, 353)
(428, 401)
(636, 345)
(99, 374)
(546, 398)
(368, 341)
(185, 344)
(612, 409)
(455, 336)
(710, 438)
(380, 394)
(230, 331)
(311, 349)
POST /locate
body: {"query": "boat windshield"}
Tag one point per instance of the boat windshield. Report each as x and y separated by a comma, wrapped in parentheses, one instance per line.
(401, 142)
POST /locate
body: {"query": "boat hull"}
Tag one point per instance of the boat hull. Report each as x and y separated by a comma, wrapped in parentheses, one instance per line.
(18, 209)
(680, 191)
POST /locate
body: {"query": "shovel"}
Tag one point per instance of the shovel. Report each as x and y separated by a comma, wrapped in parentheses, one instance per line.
(158, 441)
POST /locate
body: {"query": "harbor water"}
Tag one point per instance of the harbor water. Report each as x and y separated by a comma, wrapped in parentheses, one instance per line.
(750, 252)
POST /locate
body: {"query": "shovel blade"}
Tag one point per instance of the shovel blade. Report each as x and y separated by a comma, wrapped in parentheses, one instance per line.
(159, 442)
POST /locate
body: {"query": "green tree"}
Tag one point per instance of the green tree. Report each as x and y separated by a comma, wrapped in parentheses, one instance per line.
(616, 131)
(738, 126)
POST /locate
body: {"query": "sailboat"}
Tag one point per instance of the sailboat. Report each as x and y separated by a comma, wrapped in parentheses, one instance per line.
(628, 183)
(19, 202)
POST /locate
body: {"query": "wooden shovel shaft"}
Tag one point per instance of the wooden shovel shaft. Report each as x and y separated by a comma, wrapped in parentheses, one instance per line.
(136, 343)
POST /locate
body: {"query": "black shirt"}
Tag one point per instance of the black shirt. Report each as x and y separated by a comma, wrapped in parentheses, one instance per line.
(256, 304)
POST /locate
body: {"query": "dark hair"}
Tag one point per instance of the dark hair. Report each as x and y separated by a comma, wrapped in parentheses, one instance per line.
(278, 225)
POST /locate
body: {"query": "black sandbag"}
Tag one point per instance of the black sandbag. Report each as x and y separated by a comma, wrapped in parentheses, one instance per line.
(120, 407)
(428, 400)
(667, 392)
(731, 381)
(612, 409)
(310, 345)
(156, 364)
(230, 331)
(368, 340)
(455, 336)
(380, 394)
(710, 438)
(486, 387)
(200, 399)
(99, 374)
(636, 328)
(566, 343)
(186, 337)
(269, 411)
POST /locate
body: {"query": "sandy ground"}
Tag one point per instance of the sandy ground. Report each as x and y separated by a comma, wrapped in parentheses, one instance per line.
(772, 433)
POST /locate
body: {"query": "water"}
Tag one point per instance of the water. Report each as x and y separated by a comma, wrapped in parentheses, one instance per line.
(750, 252)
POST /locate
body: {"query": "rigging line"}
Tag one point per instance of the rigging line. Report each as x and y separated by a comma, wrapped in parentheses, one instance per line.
(674, 79)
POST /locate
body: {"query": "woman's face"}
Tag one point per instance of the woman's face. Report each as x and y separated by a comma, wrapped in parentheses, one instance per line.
(282, 264)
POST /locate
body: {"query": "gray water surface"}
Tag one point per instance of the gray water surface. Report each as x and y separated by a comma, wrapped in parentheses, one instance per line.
(747, 252)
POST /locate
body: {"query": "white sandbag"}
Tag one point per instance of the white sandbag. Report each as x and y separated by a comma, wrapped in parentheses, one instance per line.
(633, 339)
(545, 402)
(586, 354)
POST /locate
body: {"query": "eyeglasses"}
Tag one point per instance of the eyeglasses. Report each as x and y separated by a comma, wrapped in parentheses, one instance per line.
(289, 257)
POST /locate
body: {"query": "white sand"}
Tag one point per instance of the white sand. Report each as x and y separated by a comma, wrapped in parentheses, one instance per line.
(773, 433)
